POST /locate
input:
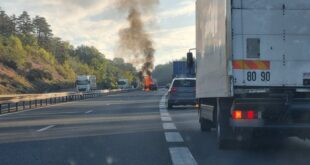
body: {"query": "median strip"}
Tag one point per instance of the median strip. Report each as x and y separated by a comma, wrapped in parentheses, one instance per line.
(45, 128)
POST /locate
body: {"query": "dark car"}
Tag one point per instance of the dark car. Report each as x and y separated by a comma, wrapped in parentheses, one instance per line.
(153, 87)
(182, 92)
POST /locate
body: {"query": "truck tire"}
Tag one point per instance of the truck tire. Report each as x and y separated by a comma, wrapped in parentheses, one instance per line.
(225, 137)
(170, 106)
(205, 125)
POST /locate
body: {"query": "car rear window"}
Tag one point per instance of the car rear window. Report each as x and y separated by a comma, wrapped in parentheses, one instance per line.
(184, 83)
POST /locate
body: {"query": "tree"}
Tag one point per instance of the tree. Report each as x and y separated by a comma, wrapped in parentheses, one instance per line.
(7, 26)
(62, 50)
(88, 55)
(43, 31)
(24, 24)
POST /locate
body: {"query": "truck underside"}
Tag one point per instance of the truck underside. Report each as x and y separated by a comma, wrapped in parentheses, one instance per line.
(279, 112)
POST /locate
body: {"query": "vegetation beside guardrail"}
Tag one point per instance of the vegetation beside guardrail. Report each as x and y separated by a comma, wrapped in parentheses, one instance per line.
(15, 103)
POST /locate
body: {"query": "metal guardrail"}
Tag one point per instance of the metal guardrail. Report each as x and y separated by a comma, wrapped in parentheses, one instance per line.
(15, 103)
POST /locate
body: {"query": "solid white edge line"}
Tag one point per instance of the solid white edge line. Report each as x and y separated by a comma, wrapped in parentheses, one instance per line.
(181, 156)
(46, 128)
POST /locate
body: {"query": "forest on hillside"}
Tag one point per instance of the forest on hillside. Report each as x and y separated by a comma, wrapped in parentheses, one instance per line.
(32, 59)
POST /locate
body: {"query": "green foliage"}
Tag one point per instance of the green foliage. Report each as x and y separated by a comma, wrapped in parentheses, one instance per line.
(31, 53)
(24, 24)
(37, 74)
(163, 73)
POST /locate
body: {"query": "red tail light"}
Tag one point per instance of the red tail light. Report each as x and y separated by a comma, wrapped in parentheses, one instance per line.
(248, 115)
(237, 114)
(173, 90)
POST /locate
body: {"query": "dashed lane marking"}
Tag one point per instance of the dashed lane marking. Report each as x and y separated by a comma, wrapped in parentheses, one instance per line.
(173, 137)
(90, 111)
(181, 156)
(165, 114)
(45, 128)
(165, 119)
(169, 126)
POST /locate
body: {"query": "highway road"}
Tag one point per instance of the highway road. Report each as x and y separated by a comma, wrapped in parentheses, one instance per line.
(131, 128)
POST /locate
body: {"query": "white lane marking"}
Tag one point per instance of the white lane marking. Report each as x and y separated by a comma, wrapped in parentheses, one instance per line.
(46, 128)
(90, 111)
(165, 114)
(181, 156)
(173, 137)
(169, 126)
(163, 111)
(165, 119)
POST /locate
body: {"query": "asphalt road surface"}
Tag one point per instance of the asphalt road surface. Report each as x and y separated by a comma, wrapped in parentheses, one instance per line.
(129, 128)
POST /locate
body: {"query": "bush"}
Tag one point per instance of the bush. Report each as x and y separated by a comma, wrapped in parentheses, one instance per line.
(36, 74)
(10, 64)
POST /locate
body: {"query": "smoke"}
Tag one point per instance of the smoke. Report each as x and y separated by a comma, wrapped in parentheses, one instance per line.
(135, 44)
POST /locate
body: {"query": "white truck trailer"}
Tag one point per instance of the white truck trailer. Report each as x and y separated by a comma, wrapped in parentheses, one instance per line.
(123, 84)
(253, 68)
(86, 83)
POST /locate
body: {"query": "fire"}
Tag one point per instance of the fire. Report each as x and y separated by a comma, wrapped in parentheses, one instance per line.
(147, 83)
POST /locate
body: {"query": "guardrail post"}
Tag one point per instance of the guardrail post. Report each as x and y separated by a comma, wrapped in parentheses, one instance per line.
(36, 103)
(16, 104)
(0, 108)
(9, 107)
(30, 102)
(41, 103)
(46, 100)
(24, 107)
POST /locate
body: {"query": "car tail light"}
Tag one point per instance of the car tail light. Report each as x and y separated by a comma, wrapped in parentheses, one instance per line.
(248, 114)
(173, 90)
(237, 114)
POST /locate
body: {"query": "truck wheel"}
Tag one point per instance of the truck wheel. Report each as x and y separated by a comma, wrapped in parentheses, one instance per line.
(225, 136)
(170, 106)
(205, 125)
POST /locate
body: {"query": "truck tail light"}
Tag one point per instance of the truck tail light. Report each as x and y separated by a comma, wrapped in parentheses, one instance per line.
(250, 114)
(246, 115)
(237, 114)
(173, 90)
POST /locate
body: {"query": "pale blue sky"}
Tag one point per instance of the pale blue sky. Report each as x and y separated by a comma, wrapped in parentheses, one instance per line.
(96, 22)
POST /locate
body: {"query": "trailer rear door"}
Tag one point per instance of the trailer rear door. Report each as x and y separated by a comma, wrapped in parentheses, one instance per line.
(271, 42)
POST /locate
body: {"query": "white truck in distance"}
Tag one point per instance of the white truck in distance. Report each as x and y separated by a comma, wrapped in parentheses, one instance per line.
(123, 84)
(253, 68)
(86, 83)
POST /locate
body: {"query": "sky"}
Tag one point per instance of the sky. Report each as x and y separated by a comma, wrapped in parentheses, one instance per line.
(97, 22)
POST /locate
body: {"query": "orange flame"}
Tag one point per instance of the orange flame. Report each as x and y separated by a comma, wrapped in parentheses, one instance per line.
(147, 83)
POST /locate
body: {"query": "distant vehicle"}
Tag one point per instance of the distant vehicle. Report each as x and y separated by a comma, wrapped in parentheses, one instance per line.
(182, 92)
(181, 69)
(86, 83)
(123, 84)
(153, 87)
(253, 69)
